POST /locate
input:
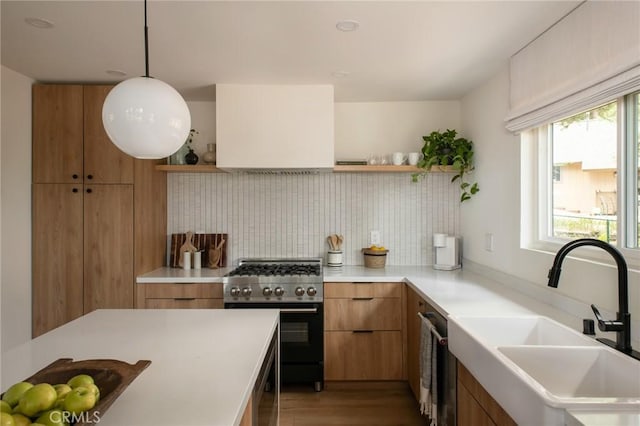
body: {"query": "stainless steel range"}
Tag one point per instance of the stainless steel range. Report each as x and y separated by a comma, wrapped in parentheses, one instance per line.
(295, 287)
(274, 281)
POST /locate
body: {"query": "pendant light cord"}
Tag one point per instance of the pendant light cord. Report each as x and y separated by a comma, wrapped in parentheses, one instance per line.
(146, 42)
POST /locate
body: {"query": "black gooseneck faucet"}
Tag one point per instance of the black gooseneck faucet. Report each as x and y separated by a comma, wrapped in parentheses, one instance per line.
(622, 324)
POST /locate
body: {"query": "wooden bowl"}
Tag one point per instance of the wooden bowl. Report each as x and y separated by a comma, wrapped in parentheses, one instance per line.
(110, 375)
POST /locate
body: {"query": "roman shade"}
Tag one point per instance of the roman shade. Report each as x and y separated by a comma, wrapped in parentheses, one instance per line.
(589, 57)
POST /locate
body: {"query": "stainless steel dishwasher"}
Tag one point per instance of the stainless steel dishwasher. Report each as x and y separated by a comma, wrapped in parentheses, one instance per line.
(447, 370)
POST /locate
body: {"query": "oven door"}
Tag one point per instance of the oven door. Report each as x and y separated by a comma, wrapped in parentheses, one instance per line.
(301, 340)
(301, 333)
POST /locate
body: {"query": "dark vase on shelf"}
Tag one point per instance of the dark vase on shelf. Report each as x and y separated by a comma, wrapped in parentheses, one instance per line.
(191, 157)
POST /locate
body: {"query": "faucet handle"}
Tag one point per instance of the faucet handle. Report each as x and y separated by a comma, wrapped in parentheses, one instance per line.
(606, 325)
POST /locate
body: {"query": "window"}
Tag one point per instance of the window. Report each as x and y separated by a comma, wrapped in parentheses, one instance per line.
(581, 178)
(584, 202)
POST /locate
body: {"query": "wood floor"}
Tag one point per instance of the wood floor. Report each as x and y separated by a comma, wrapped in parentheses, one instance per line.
(390, 404)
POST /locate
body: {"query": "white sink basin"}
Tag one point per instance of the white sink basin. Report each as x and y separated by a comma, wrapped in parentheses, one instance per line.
(523, 330)
(579, 372)
(537, 368)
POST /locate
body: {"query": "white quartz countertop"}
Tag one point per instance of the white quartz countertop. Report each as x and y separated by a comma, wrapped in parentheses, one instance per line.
(179, 275)
(460, 292)
(202, 369)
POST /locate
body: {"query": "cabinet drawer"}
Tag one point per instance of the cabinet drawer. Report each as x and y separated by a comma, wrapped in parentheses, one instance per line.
(374, 355)
(194, 290)
(183, 303)
(339, 290)
(363, 313)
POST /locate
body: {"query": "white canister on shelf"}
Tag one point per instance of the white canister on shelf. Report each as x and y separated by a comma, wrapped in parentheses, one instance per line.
(186, 260)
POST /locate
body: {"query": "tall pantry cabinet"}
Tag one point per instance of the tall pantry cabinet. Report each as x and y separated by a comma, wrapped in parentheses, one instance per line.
(99, 215)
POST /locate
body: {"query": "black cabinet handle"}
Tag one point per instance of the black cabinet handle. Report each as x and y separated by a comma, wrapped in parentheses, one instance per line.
(74, 190)
(363, 331)
(75, 176)
(89, 190)
(89, 176)
(362, 298)
(184, 298)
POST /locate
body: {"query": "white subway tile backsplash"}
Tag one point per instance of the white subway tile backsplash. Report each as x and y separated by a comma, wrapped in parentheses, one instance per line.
(291, 216)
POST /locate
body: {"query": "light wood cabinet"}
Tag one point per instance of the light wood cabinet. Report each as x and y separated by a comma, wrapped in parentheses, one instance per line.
(475, 406)
(57, 134)
(57, 294)
(108, 247)
(364, 333)
(99, 216)
(103, 161)
(69, 141)
(179, 296)
(415, 305)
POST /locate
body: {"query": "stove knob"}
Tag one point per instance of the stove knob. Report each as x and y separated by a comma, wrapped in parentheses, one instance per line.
(299, 291)
(279, 291)
(311, 291)
(267, 291)
(246, 292)
(235, 291)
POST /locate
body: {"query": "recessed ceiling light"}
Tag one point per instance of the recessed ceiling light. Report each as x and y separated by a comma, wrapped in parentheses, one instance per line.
(39, 23)
(116, 73)
(340, 74)
(348, 25)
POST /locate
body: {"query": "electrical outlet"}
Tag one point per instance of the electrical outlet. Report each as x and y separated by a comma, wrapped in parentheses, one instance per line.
(488, 241)
(374, 238)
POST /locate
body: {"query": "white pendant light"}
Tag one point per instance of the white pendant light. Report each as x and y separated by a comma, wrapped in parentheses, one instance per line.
(144, 117)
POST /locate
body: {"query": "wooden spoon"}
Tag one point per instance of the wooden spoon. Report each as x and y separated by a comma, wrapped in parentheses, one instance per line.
(340, 240)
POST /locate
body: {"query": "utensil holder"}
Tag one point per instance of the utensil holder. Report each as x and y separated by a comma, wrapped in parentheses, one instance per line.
(334, 258)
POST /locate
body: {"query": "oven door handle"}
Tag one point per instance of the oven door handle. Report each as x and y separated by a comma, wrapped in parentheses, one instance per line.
(299, 310)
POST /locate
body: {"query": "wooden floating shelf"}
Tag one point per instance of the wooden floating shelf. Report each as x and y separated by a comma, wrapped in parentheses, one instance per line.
(198, 168)
(206, 168)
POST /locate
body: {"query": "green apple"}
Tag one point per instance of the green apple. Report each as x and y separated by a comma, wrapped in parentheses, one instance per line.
(13, 394)
(95, 389)
(40, 397)
(21, 420)
(6, 419)
(54, 418)
(80, 380)
(62, 389)
(79, 399)
(5, 407)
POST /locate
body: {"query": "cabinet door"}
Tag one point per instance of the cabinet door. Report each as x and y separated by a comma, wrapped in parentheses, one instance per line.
(375, 355)
(470, 413)
(57, 255)
(363, 313)
(414, 305)
(108, 247)
(103, 161)
(57, 133)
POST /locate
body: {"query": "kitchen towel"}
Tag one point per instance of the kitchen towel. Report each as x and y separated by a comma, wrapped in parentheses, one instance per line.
(428, 371)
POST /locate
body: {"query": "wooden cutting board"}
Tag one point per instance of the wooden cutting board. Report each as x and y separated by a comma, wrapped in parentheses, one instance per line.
(202, 242)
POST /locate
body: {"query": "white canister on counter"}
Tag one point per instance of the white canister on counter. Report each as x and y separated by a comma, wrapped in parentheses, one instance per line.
(197, 260)
(186, 260)
(334, 258)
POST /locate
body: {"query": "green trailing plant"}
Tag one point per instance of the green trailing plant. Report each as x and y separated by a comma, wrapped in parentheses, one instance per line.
(446, 149)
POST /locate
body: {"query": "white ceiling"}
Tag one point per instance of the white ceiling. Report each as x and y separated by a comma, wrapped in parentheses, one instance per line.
(414, 50)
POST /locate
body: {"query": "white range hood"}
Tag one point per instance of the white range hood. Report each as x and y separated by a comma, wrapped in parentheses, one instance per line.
(274, 128)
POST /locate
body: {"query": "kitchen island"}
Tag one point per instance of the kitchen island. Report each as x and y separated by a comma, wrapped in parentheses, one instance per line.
(204, 363)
